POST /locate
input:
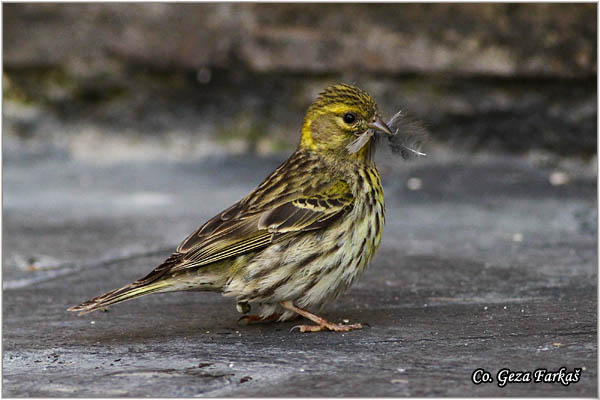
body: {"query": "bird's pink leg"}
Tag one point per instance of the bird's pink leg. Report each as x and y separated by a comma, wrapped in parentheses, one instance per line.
(322, 323)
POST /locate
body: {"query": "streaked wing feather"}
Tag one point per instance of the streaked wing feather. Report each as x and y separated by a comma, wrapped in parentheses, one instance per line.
(219, 225)
(289, 201)
(299, 215)
(212, 254)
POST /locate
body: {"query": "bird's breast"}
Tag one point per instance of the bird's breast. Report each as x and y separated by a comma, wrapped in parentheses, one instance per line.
(354, 244)
(368, 216)
(315, 267)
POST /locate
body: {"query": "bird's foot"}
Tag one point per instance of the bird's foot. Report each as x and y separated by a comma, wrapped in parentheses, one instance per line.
(250, 319)
(328, 326)
(322, 323)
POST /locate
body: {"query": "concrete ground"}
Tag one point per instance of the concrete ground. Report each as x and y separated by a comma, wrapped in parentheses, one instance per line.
(484, 264)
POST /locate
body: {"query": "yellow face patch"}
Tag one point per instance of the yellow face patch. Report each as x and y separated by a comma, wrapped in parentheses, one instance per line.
(324, 125)
(336, 113)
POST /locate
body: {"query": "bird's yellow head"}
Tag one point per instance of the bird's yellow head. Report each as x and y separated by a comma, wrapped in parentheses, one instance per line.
(342, 120)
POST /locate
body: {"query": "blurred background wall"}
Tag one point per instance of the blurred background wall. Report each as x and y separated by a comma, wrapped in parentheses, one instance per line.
(183, 80)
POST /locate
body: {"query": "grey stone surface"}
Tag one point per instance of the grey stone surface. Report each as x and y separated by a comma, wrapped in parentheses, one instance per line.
(486, 265)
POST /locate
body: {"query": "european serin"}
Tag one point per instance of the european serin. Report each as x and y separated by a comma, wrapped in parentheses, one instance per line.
(301, 237)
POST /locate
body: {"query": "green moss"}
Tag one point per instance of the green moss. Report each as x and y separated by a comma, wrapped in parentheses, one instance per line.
(50, 86)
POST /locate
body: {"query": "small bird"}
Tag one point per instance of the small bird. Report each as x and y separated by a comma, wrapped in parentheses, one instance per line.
(302, 237)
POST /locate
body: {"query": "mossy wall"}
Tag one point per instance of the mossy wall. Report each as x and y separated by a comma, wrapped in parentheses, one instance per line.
(511, 77)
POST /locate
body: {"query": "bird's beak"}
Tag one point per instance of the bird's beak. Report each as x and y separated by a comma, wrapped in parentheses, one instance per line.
(378, 125)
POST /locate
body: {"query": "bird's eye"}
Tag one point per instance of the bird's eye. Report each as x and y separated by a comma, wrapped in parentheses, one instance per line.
(349, 118)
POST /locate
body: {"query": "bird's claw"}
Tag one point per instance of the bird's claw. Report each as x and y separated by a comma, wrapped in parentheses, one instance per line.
(327, 327)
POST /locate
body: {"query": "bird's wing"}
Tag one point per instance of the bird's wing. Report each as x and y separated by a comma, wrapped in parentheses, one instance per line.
(252, 232)
(291, 200)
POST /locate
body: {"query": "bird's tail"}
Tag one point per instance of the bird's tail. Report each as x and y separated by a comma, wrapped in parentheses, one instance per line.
(127, 292)
(152, 283)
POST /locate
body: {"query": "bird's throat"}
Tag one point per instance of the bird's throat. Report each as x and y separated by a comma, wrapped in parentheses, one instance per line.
(366, 152)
